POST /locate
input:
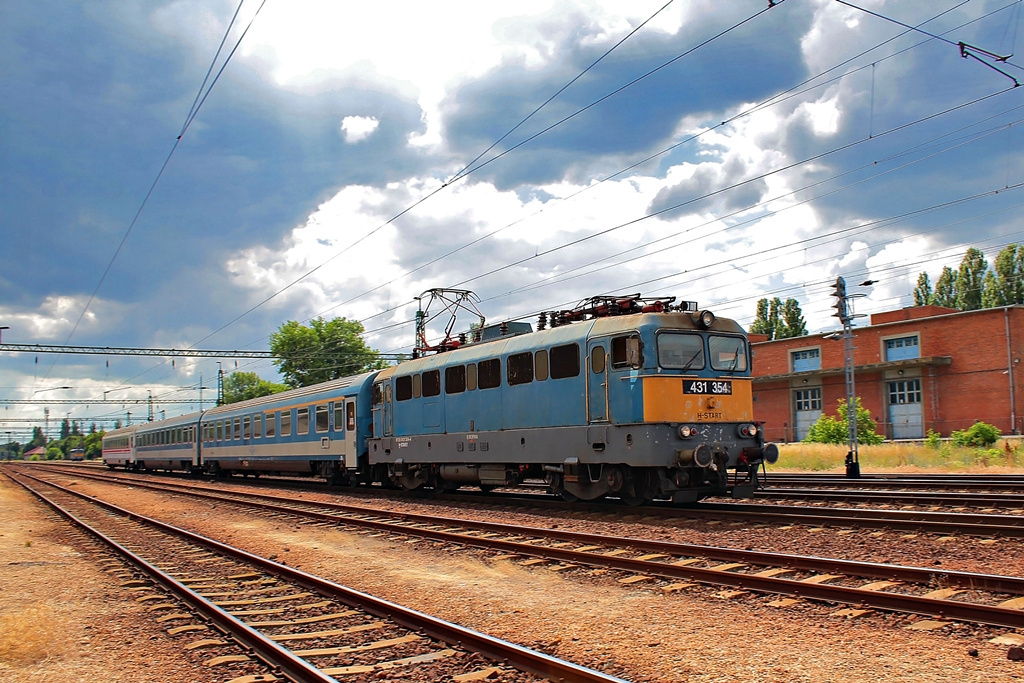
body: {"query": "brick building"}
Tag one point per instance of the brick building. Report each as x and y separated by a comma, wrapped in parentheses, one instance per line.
(915, 369)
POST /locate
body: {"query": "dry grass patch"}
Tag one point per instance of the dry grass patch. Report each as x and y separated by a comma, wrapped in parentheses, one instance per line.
(31, 635)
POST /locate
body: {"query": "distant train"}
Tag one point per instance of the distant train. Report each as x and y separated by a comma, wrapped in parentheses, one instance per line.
(626, 397)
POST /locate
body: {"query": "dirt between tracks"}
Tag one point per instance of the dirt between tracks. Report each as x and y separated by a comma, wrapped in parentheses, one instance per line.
(62, 618)
(587, 616)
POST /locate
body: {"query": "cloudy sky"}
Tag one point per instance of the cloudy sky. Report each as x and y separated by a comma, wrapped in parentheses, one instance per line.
(721, 153)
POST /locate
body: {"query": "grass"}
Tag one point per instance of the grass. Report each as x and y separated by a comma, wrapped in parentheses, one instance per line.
(1004, 456)
(30, 635)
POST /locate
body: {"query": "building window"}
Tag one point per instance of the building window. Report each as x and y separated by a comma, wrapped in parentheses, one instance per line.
(902, 348)
(905, 391)
(805, 360)
(808, 399)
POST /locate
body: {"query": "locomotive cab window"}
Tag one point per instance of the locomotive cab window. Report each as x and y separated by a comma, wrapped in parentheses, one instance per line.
(597, 360)
(489, 373)
(681, 351)
(565, 361)
(455, 379)
(728, 353)
(520, 368)
(403, 388)
(431, 383)
(626, 352)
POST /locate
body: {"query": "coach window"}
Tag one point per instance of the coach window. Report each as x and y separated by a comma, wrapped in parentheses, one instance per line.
(322, 422)
(350, 409)
(489, 373)
(271, 420)
(597, 359)
(220, 430)
(520, 368)
(565, 361)
(471, 377)
(302, 421)
(626, 352)
(257, 426)
(431, 383)
(540, 365)
(455, 379)
(339, 416)
(246, 430)
(403, 388)
(417, 386)
(286, 423)
(237, 434)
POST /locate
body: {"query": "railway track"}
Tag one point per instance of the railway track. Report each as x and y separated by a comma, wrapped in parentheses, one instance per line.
(301, 627)
(979, 598)
(1013, 483)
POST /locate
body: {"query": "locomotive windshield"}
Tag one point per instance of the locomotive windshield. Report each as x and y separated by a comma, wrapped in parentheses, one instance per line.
(681, 351)
(728, 353)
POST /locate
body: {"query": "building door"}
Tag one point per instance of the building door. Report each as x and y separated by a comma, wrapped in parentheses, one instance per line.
(906, 413)
(597, 380)
(807, 410)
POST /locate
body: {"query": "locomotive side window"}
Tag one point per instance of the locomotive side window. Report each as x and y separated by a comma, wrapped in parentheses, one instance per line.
(626, 352)
(286, 423)
(339, 416)
(489, 373)
(728, 353)
(322, 422)
(302, 421)
(540, 365)
(455, 379)
(520, 368)
(565, 361)
(403, 388)
(681, 351)
(432, 383)
(417, 386)
(471, 377)
(271, 424)
(597, 360)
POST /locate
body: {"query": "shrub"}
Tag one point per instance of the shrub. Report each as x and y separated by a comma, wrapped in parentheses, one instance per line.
(932, 440)
(978, 435)
(830, 429)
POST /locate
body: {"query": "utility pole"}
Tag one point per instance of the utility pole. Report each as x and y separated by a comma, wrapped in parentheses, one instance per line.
(844, 311)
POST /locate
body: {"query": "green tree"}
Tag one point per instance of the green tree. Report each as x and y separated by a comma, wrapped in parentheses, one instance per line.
(65, 428)
(322, 351)
(835, 430)
(1004, 283)
(793, 323)
(93, 445)
(767, 319)
(241, 386)
(945, 288)
(970, 280)
(923, 291)
(37, 439)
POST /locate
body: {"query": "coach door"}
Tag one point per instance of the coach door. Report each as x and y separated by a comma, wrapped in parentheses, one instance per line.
(597, 380)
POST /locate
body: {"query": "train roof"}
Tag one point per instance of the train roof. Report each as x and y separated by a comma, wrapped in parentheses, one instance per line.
(121, 431)
(335, 385)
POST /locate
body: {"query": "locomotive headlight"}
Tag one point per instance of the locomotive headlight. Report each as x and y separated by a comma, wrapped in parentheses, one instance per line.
(747, 431)
(686, 431)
